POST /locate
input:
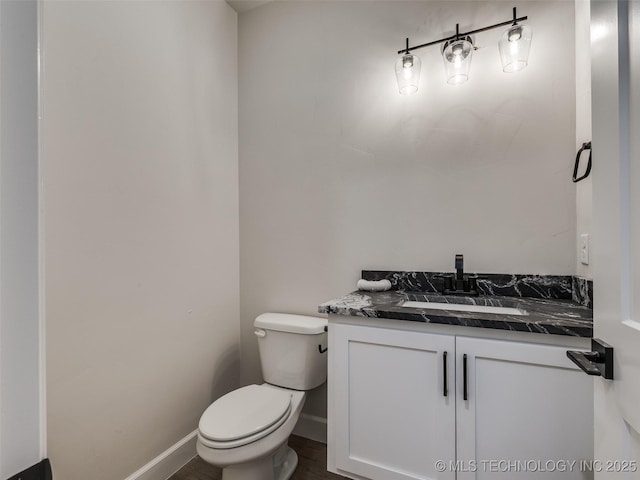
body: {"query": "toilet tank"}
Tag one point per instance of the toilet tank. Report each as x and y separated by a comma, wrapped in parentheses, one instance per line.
(292, 350)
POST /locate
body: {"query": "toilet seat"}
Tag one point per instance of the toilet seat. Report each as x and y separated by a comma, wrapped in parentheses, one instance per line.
(244, 416)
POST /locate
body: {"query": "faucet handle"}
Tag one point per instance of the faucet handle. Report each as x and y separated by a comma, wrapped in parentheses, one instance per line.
(459, 261)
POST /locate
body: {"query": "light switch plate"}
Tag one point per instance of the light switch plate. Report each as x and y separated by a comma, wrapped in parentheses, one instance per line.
(584, 249)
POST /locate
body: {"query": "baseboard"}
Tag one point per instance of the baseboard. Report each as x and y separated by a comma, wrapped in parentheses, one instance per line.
(169, 461)
(311, 427)
(175, 457)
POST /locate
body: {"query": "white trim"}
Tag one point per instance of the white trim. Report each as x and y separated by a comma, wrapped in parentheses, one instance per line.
(311, 427)
(20, 378)
(169, 461)
(1, 450)
(632, 324)
(42, 333)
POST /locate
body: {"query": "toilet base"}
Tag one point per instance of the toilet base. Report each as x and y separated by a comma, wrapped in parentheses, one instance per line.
(285, 462)
(279, 466)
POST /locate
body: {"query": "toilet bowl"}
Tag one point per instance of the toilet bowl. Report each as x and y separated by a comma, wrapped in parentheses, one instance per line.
(248, 449)
(246, 431)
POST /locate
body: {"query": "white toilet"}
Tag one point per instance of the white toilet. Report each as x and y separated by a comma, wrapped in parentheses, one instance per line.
(246, 431)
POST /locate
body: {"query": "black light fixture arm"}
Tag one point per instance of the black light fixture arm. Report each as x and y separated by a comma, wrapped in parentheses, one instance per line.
(457, 35)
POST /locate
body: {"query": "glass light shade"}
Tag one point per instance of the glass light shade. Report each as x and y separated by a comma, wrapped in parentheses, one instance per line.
(514, 48)
(408, 73)
(457, 60)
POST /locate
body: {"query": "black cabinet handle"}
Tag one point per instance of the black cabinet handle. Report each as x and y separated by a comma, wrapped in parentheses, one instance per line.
(465, 393)
(445, 386)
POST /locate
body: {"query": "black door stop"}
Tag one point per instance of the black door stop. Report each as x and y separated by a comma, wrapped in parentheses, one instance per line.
(597, 362)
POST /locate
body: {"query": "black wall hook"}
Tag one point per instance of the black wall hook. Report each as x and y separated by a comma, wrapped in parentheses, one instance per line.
(576, 167)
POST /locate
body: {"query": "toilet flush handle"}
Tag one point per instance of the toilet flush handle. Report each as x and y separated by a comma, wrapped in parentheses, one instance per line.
(260, 333)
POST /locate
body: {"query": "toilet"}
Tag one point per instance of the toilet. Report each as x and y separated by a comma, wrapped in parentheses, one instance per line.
(246, 431)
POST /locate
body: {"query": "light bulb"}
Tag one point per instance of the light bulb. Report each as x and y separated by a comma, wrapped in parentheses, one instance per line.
(407, 66)
(515, 33)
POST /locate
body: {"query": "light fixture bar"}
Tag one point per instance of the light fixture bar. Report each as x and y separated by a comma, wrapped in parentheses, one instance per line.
(457, 35)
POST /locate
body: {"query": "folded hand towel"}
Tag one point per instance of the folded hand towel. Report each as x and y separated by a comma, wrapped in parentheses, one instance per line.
(374, 285)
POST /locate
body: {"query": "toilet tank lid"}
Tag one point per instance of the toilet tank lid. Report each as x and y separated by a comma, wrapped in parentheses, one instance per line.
(284, 322)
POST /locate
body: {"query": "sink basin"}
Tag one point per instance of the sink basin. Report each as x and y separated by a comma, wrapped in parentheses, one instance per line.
(457, 307)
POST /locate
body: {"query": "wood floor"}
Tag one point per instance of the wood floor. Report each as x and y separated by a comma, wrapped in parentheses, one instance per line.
(312, 464)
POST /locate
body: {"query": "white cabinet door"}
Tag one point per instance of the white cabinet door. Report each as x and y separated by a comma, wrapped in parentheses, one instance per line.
(392, 420)
(526, 404)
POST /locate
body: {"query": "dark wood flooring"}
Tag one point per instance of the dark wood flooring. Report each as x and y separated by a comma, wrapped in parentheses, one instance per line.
(312, 464)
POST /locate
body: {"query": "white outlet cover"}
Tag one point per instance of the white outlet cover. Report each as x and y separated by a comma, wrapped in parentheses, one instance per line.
(584, 249)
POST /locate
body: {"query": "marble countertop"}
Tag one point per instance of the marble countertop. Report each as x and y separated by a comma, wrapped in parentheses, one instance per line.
(544, 315)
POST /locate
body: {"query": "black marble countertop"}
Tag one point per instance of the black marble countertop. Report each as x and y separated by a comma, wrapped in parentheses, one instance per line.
(544, 315)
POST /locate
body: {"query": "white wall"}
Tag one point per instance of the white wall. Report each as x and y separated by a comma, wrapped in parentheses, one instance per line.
(20, 392)
(338, 172)
(141, 195)
(584, 187)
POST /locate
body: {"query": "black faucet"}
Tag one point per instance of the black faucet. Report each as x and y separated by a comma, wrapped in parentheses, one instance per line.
(461, 286)
(459, 272)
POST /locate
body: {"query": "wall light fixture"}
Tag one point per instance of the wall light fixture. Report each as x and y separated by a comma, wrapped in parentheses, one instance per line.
(457, 51)
(408, 72)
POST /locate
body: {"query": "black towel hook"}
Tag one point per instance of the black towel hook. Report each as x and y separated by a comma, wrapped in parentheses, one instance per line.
(585, 146)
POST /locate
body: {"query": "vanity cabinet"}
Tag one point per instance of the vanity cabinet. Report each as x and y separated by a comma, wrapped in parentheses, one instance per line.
(397, 406)
(527, 404)
(391, 419)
